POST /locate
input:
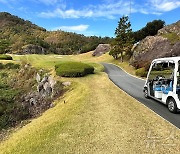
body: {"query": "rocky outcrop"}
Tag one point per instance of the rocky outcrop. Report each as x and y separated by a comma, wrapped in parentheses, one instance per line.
(36, 102)
(32, 49)
(173, 28)
(101, 49)
(45, 85)
(158, 46)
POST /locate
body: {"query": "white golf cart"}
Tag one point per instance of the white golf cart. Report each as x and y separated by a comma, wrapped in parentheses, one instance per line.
(163, 82)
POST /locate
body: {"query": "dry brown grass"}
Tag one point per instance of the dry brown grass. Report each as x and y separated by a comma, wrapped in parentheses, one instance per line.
(97, 117)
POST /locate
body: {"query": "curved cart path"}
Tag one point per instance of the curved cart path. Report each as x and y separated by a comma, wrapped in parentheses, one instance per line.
(134, 87)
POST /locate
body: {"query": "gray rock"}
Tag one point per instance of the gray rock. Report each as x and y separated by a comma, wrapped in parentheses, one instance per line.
(45, 86)
(32, 49)
(66, 83)
(101, 49)
(51, 81)
(45, 79)
(27, 66)
(32, 101)
(38, 78)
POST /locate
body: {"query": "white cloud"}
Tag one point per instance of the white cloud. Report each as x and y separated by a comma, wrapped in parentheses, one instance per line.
(48, 2)
(164, 5)
(103, 10)
(112, 9)
(78, 28)
(71, 13)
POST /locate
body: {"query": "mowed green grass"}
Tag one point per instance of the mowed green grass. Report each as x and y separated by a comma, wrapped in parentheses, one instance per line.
(49, 61)
(97, 117)
(41, 61)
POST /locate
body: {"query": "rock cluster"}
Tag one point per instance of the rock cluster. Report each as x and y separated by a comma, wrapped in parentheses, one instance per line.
(101, 49)
(38, 101)
(158, 46)
(35, 104)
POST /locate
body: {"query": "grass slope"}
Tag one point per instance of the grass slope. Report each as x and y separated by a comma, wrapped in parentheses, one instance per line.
(97, 118)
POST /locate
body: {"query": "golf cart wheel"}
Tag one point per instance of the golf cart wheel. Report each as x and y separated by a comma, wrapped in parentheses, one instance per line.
(172, 107)
(146, 93)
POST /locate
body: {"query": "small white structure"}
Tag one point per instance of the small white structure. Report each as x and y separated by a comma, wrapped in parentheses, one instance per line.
(163, 82)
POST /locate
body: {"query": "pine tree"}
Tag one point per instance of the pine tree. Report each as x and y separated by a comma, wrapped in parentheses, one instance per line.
(123, 42)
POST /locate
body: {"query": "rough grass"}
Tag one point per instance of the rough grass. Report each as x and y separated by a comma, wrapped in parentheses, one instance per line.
(172, 37)
(97, 117)
(93, 121)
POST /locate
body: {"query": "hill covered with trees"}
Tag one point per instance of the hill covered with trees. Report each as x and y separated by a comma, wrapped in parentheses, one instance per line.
(21, 36)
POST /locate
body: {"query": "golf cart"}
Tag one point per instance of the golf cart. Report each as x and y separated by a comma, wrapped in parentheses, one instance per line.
(163, 82)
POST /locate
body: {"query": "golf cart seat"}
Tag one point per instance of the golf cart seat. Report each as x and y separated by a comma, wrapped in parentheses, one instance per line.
(168, 88)
(158, 91)
(158, 88)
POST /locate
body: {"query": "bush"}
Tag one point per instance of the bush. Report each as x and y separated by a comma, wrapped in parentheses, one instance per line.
(5, 57)
(11, 66)
(1, 66)
(73, 69)
(3, 75)
(141, 72)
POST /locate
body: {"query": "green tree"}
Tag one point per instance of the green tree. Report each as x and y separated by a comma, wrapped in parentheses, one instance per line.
(150, 29)
(123, 42)
(4, 46)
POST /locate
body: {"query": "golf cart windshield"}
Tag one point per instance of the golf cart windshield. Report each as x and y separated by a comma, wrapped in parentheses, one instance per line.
(162, 70)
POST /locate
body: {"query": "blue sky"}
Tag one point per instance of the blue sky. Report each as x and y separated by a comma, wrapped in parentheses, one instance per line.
(92, 17)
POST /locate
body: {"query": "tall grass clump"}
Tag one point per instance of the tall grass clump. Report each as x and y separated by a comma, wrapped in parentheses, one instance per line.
(141, 72)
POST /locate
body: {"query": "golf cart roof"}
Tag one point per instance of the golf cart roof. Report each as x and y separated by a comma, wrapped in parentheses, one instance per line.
(175, 59)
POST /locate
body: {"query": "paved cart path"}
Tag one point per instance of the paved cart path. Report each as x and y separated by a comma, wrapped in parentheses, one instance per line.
(134, 87)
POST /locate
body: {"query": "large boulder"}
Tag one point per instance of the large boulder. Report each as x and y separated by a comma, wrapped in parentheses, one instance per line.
(165, 44)
(101, 49)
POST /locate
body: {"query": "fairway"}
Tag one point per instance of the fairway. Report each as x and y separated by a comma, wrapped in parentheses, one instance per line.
(97, 117)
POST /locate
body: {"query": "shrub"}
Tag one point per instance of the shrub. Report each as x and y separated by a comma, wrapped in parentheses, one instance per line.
(1, 66)
(3, 86)
(73, 69)
(11, 66)
(5, 57)
(3, 75)
(141, 72)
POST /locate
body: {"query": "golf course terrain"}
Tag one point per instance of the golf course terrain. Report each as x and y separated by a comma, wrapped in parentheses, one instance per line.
(93, 116)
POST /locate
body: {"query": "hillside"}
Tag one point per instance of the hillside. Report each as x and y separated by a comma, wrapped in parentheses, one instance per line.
(22, 37)
(165, 44)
